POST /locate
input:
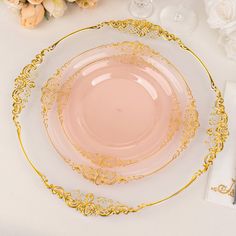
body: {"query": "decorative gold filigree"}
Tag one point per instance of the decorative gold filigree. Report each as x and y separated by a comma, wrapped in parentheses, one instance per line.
(224, 189)
(23, 85)
(88, 206)
(100, 176)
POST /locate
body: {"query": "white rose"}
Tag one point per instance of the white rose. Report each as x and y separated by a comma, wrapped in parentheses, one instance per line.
(56, 8)
(220, 12)
(13, 4)
(208, 3)
(228, 40)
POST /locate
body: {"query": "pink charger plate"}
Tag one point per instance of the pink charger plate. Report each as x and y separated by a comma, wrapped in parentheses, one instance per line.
(119, 112)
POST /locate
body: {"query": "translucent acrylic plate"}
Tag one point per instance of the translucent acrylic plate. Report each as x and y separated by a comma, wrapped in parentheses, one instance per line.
(85, 196)
(118, 112)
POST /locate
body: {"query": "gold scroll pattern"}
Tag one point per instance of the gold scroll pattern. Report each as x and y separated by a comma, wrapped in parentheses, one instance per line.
(228, 190)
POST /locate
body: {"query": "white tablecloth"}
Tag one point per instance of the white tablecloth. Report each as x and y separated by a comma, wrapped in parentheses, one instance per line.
(26, 208)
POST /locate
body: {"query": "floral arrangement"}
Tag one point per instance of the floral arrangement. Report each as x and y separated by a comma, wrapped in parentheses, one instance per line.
(32, 12)
(222, 16)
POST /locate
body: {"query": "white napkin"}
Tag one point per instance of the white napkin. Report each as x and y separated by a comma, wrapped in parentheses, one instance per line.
(222, 176)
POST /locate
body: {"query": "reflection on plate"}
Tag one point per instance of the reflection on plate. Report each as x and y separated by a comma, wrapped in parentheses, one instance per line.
(118, 112)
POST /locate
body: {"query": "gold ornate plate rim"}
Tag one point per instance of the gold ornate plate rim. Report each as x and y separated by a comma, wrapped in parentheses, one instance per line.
(89, 204)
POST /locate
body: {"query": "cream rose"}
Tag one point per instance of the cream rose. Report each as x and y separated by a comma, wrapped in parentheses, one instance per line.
(14, 4)
(220, 12)
(56, 8)
(228, 40)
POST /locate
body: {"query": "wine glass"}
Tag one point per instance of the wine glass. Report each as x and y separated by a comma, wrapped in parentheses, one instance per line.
(141, 8)
(179, 18)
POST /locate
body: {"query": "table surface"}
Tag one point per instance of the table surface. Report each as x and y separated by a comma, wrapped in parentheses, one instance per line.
(25, 209)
